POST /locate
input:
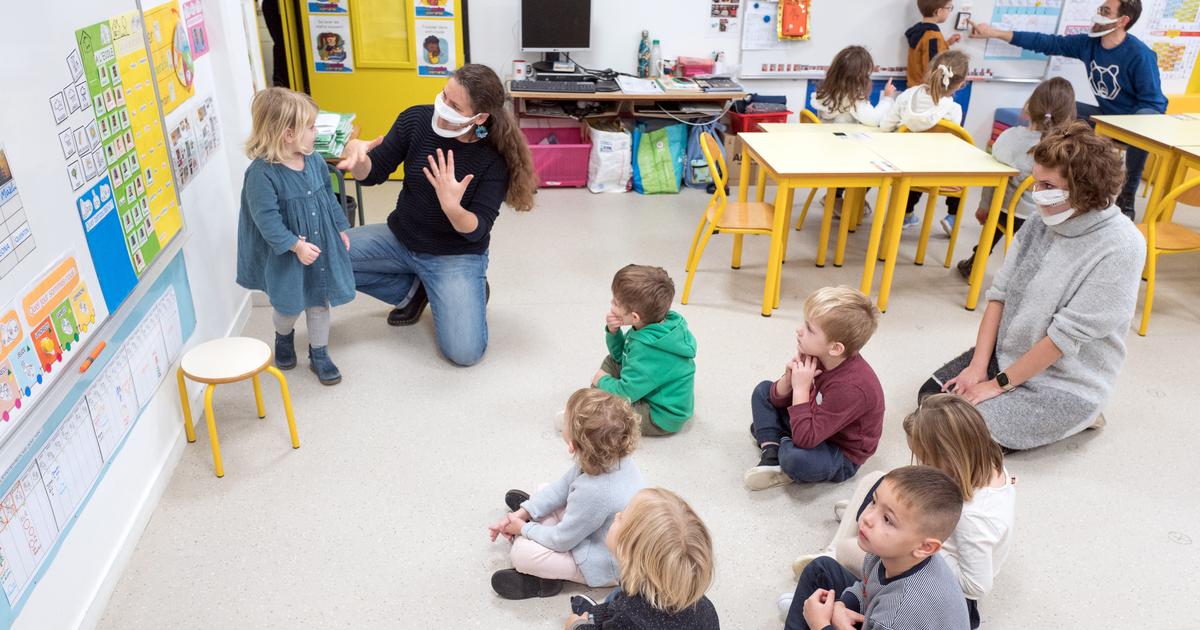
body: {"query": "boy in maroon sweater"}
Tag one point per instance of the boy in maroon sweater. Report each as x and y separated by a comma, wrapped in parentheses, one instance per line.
(822, 419)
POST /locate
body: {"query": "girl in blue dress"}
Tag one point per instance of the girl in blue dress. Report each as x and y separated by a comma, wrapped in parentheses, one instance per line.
(292, 241)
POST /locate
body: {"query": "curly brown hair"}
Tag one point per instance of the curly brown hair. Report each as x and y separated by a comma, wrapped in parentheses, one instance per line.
(1091, 164)
(602, 427)
(848, 79)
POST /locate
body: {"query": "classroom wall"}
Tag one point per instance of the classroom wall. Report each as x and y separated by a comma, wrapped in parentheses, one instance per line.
(679, 24)
(78, 583)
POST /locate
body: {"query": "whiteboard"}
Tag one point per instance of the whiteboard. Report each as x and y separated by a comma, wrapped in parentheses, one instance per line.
(879, 26)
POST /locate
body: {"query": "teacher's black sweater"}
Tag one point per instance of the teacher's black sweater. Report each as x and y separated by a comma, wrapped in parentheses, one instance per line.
(418, 221)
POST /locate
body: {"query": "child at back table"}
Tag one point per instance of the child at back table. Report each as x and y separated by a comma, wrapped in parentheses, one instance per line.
(921, 107)
(925, 40)
(292, 241)
(844, 95)
(1051, 104)
(822, 419)
(558, 533)
(654, 365)
(666, 559)
(948, 433)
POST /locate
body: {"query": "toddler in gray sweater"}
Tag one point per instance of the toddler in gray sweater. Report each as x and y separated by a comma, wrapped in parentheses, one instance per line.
(558, 533)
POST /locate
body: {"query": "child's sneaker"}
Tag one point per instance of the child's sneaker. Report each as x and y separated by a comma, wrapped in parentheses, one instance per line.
(582, 604)
(948, 224)
(785, 605)
(964, 267)
(839, 509)
(767, 474)
(321, 365)
(802, 562)
(512, 584)
(285, 350)
(514, 498)
(911, 220)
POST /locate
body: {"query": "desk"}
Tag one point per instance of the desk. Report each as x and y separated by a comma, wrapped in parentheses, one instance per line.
(826, 161)
(332, 163)
(1157, 135)
(846, 128)
(932, 159)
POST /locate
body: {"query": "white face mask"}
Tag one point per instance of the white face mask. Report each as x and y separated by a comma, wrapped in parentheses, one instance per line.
(1102, 21)
(1050, 199)
(445, 112)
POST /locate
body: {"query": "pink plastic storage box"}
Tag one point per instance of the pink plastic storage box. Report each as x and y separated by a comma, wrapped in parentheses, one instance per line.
(562, 164)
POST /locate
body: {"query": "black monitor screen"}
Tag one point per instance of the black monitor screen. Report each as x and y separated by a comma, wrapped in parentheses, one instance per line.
(556, 24)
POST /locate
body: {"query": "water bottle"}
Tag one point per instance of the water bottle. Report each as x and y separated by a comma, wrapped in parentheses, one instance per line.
(656, 66)
(644, 56)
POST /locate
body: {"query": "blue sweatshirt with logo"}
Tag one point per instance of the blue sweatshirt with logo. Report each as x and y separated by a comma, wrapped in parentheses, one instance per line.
(1124, 79)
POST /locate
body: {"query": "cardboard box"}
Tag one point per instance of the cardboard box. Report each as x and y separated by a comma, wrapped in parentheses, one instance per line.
(733, 158)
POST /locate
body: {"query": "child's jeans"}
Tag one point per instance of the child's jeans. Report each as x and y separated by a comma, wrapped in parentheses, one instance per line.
(822, 573)
(531, 558)
(824, 462)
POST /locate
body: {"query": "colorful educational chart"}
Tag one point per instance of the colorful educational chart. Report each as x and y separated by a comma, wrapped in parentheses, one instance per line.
(194, 138)
(171, 52)
(1039, 16)
(327, 6)
(42, 492)
(131, 212)
(434, 8)
(435, 47)
(193, 16)
(48, 322)
(16, 239)
(331, 43)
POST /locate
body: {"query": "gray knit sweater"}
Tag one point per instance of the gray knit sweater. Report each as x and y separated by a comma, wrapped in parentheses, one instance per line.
(591, 502)
(1076, 282)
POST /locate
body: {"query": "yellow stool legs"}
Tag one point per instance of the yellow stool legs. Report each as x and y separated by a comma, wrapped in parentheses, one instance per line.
(187, 407)
(212, 429)
(287, 403)
(258, 401)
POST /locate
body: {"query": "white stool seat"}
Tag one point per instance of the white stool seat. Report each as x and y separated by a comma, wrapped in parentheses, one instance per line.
(226, 360)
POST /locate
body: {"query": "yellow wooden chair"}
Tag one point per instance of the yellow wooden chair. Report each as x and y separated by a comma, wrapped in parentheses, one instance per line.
(724, 215)
(1165, 237)
(960, 193)
(1009, 232)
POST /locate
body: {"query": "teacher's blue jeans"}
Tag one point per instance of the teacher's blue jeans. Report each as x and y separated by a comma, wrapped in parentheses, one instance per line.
(387, 270)
(1135, 159)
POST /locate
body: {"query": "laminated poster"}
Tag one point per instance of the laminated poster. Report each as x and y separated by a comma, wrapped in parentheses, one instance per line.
(434, 8)
(435, 48)
(331, 43)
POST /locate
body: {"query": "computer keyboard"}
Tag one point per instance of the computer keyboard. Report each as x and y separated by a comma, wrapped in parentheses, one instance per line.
(569, 87)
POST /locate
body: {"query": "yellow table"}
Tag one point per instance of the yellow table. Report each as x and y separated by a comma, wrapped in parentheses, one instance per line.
(1157, 135)
(819, 128)
(820, 160)
(932, 159)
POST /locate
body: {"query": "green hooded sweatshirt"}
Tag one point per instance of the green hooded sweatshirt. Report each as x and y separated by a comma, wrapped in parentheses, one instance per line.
(657, 365)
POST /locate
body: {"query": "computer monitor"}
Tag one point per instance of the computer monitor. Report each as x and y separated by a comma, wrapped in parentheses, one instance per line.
(556, 25)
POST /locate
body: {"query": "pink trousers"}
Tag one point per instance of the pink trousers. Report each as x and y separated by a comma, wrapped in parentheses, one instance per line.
(531, 558)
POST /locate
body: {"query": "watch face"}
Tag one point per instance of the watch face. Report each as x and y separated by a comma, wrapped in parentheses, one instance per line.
(1002, 379)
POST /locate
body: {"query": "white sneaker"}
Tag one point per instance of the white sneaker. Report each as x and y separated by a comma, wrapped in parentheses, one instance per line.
(785, 605)
(948, 224)
(837, 208)
(763, 477)
(839, 509)
(801, 562)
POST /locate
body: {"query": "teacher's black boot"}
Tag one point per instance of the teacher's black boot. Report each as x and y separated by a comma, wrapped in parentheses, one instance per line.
(408, 314)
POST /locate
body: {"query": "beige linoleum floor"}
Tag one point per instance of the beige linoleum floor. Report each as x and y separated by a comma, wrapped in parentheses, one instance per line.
(378, 521)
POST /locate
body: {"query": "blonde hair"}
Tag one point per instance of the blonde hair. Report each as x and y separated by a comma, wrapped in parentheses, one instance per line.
(602, 427)
(948, 433)
(274, 111)
(664, 551)
(947, 73)
(844, 314)
(1052, 104)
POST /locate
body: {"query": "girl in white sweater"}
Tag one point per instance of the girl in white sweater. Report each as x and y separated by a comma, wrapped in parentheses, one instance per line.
(1052, 104)
(844, 96)
(948, 433)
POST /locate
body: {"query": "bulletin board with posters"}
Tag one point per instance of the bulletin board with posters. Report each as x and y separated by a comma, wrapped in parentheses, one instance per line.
(91, 230)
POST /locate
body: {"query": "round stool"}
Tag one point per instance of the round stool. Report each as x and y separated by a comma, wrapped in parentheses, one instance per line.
(227, 361)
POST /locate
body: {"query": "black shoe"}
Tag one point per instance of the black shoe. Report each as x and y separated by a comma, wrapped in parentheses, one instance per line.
(770, 456)
(582, 604)
(964, 266)
(512, 584)
(408, 314)
(514, 498)
(285, 350)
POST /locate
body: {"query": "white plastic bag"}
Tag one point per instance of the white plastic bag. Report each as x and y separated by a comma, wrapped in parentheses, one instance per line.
(610, 164)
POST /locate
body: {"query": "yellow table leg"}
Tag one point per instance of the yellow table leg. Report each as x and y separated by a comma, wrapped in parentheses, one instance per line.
(774, 263)
(1151, 265)
(212, 429)
(258, 401)
(926, 226)
(287, 404)
(187, 406)
(984, 249)
(791, 199)
(744, 177)
(891, 248)
(826, 224)
(854, 197)
(888, 211)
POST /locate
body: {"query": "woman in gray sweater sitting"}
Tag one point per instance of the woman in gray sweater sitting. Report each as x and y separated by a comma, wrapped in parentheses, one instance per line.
(1052, 340)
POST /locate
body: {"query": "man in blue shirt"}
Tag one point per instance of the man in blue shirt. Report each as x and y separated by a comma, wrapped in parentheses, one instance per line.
(1122, 70)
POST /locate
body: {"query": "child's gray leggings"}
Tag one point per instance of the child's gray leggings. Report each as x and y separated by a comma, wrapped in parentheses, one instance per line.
(317, 318)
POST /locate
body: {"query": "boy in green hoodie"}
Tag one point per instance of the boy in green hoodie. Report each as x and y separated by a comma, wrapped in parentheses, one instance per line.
(653, 366)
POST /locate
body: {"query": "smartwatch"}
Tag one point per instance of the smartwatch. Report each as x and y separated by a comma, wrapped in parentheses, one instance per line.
(1002, 380)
